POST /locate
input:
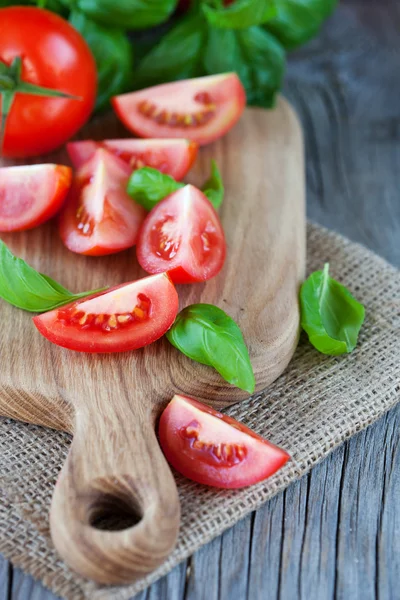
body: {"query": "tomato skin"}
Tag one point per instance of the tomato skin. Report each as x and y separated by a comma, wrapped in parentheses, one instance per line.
(54, 55)
(174, 157)
(226, 100)
(31, 195)
(214, 449)
(186, 223)
(98, 200)
(162, 312)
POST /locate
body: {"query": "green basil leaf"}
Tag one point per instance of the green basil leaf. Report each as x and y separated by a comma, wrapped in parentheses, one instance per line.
(297, 21)
(126, 14)
(206, 334)
(147, 186)
(113, 54)
(254, 54)
(23, 287)
(241, 14)
(213, 187)
(330, 315)
(177, 56)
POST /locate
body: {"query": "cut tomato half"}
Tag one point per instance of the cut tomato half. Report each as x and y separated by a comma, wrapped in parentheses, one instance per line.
(173, 157)
(99, 217)
(30, 195)
(201, 109)
(183, 236)
(212, 448)
(125, 317)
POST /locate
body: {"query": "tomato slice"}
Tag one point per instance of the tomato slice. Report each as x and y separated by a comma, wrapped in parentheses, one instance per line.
(201, 109)
(173, 157)
(183, 236)
(125, 317)
(214, 449)
(99, 217)
(30, 195)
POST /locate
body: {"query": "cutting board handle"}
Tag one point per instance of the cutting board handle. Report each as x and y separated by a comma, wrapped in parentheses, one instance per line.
(115, 510)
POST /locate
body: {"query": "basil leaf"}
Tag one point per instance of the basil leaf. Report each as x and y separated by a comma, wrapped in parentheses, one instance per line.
(25, 288)
(213, 187)
(177, 56)
(147, 186)
(206, 334)
(113, 54)
(297, 21)
(254, 54)
(126, 14)
(330, 315)
(241, 14)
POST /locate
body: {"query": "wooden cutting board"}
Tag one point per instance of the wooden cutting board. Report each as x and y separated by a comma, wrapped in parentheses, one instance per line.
(115, 510)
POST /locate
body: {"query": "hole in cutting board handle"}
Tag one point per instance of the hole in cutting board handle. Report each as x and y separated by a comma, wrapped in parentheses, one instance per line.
(113, 506)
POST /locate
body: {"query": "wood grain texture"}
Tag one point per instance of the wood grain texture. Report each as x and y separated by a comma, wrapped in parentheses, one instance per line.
(354, 62)
(110, 402)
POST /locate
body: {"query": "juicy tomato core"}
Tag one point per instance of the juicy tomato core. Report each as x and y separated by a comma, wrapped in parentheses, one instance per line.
(82, 320)
(222, 455)
(178, 119)
(84, 222)
(165, 239)
(14, 203)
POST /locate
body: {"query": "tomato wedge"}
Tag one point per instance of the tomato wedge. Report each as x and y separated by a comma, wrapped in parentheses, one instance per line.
(125, 317)
(173, 157)
(30, 195)
(183, 236)
(99, 217)
(214, 449)
(201, 109)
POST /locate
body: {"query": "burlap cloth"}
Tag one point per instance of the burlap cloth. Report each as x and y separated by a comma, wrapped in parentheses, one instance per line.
(313, 407)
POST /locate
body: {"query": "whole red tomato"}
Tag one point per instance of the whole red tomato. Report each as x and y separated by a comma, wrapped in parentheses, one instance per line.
(48, 81)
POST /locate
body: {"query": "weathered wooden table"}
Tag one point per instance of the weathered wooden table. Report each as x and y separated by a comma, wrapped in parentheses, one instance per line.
(335, 533)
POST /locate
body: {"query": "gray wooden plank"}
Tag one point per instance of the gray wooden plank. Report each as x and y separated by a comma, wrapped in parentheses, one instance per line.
(24, 587)
(205, 573)
(5, 578)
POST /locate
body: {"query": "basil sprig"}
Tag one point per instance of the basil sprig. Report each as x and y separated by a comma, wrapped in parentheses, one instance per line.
(23, 287)
(241, 14)
(113, 54)
(213, 187)
(148, 186)
(206, 334)
(330, 315)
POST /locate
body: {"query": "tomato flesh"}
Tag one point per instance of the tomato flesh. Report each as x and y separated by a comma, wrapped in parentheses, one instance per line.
(32, 194)
(174, 157)
(54, 55)
(201, 109)
(212, 448)
(99, 217)
(183, 236)
(125, 317)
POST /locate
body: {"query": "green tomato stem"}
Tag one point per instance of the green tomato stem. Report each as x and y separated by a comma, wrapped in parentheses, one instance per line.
(11, 84)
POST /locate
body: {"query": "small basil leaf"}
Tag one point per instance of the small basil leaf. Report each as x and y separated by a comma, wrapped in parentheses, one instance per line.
(330, 315)
(241, 14)
(177, 56)
(23, 287)
(206, 334)
(254, 54)
(147, 186)
(113, 54)
(297, 21)
(127, 14)
(213, 187)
